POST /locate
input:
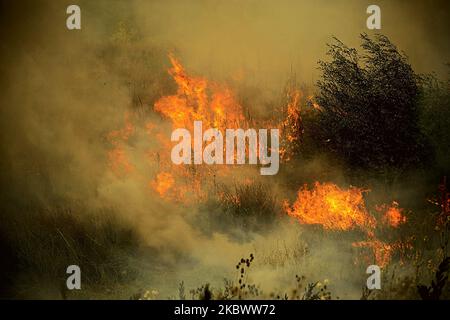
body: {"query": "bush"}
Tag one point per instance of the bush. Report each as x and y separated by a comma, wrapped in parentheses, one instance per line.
(369, 113)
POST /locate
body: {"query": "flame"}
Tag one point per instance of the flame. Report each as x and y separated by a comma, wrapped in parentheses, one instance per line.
(119, 162)
(382, 251)
(118, 159)
(196, 99)
(164, 182)
(331, 207)
(216, 106)
(343, 210)
(291, 127)
(312, 102)
(393, 215)
(293, 113)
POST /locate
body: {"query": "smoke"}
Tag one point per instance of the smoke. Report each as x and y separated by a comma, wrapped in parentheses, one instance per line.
(64, 91)
(265, 40)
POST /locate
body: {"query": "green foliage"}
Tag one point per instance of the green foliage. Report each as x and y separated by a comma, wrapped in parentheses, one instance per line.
(369, 116)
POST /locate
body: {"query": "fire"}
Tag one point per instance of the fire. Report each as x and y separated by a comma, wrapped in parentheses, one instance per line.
(382, 251)
(393, 215)
(292, 126)
(343, 210)
(313, 103)
(196, 99)
(164, 181)
(331, 207)
(293, 112)
(118, 159)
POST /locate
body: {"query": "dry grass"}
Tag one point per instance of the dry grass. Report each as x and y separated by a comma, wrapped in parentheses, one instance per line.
(47, 240)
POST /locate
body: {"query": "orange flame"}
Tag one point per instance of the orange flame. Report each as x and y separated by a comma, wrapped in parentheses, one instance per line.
(331, 207)
(337, 209)
(291, 127)
(164, 181)
(118, 158)
(392, 214)
(217, 107)
(196, 99)
(382, 251)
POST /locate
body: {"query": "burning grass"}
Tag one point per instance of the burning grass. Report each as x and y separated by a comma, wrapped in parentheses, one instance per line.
(335, 236)
(244, 209)
(332, 207)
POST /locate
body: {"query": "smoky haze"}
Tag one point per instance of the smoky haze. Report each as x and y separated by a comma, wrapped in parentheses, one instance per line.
(59, 96)
(62, 92)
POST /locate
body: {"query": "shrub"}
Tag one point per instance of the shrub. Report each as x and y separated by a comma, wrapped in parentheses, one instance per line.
(369, 113)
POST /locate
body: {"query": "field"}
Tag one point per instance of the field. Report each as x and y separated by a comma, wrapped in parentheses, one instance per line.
(87, 177)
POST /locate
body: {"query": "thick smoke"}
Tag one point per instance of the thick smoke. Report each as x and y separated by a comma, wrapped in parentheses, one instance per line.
(64, 91)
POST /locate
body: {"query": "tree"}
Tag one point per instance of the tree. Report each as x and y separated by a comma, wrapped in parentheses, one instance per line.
(369, 113)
